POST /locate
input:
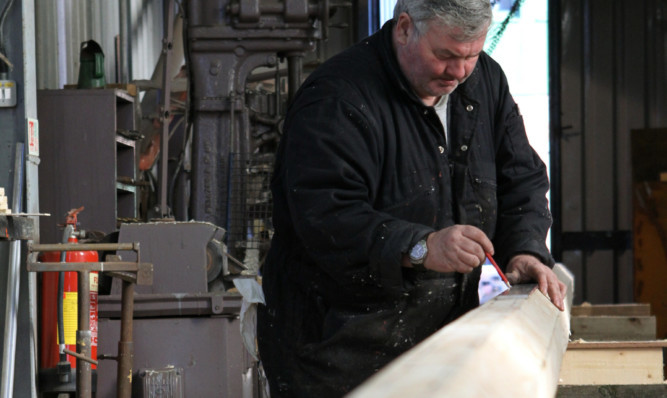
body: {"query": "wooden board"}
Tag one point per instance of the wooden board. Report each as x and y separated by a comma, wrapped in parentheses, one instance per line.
(647, 146)
(614, 391)
(634, 309)
(613, 363)
(510, 347)
(615, 328)
(130, 88)
(650, 249)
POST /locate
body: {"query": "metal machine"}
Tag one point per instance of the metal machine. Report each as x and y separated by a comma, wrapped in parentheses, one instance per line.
(245, 61)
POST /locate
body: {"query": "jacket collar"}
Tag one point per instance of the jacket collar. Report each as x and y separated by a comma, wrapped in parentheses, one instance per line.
(384, 40)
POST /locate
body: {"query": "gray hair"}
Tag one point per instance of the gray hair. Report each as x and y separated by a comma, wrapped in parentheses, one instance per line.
(472, 17)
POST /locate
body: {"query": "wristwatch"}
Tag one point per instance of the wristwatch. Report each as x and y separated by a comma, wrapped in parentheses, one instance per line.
(418, 255)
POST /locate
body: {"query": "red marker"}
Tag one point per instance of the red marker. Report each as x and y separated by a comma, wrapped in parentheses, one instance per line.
(502, 275)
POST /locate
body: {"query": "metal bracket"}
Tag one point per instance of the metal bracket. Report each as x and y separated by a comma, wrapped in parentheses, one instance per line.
(16, 227)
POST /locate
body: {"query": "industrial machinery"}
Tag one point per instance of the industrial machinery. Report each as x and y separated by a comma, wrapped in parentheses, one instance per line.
(202, 213)
(245, 61)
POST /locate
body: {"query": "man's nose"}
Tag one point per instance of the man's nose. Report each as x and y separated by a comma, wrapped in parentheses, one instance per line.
(456, 69)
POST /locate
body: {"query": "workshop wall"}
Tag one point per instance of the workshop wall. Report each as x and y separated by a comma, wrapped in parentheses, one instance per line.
(12, 132)
(61, 27)
(613, 79)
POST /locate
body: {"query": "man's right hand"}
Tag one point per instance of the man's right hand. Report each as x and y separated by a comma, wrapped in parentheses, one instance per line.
(459, 248)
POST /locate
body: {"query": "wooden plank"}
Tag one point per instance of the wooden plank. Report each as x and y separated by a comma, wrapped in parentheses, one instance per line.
(612, 363)
(647, 146)
(613, 391)
(634, 309)
(130, 88)
(590, 345)
(613, 327)
(512, 347)
(650, 249)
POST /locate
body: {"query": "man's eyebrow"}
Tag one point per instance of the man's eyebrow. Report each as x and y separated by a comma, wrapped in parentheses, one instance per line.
(448, 53)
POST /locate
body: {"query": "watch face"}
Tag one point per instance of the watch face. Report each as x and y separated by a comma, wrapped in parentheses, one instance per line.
(418, 251)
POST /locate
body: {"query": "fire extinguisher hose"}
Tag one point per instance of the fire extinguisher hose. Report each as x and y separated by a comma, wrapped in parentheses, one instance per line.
(69, 229)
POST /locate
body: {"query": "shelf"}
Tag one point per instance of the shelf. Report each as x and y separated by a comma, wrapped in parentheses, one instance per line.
(100, 166)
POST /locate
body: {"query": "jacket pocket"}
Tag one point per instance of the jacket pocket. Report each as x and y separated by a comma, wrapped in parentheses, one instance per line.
(482, 210)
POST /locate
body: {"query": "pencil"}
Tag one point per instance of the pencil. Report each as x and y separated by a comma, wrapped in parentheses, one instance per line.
(500, 272)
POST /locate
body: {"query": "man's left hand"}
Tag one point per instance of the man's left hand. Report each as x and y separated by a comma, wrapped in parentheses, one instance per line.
(526, 268)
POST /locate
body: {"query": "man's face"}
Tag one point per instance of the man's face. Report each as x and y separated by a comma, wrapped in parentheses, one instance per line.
(435, 63)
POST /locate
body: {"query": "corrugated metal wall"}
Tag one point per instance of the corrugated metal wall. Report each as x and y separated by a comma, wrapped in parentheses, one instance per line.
(146, 32)
(62, 25)
(613, 79)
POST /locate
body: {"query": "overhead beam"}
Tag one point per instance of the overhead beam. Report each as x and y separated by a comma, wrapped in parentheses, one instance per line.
(511, 346)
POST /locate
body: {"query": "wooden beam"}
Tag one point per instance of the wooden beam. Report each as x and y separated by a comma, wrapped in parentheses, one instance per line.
(633, 309)
(511, 346)
(613, 363)
(614, 391)
(615, 328)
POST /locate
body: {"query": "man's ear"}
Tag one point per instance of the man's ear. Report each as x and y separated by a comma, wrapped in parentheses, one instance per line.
(403, 29)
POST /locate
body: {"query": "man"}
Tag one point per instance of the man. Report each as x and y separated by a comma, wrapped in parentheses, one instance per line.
(404, 161)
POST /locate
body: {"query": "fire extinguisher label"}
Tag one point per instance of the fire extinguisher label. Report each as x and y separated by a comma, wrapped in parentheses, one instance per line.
(93, 309)
(94, 282)
(70, 319)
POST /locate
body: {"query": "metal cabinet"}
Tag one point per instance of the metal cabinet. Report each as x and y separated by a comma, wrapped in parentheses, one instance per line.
(88, 158)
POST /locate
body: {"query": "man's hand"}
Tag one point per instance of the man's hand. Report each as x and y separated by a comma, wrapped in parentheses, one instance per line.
(459, 248)
(527, 268)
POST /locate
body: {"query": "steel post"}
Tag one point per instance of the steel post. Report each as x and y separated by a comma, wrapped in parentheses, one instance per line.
(125, 345)
(83, 341)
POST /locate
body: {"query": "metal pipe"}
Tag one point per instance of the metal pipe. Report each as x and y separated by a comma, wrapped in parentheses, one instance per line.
(75, 267)
(124, 18)
(11, 307)
(257, 77)
(84, 372)
(31, 172)
(555, 129)
(295, 67)
(13, 283)
(267, 7)
(79, 356)
(125, 345)
(68, 247)
(163, 180)
(261, 44)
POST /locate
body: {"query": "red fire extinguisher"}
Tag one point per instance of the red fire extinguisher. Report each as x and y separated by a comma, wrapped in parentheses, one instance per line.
(51, 355)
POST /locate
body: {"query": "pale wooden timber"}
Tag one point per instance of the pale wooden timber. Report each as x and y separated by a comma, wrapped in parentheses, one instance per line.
(633, 309)
(511, 346)
(613, 363)
(613, 328)
(613, 322)
(614, 391)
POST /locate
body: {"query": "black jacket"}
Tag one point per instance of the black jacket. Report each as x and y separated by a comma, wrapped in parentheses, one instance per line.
(363, 172)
